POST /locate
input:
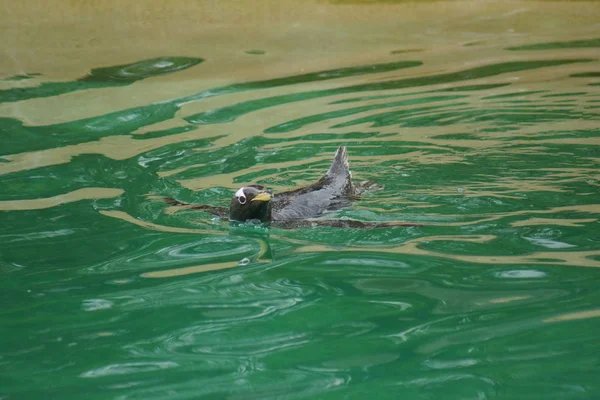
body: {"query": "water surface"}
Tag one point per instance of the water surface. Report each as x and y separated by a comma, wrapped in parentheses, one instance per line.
(480, 121)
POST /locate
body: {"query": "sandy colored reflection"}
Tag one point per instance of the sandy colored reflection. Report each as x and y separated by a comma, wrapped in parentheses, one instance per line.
(149, 225)
(504, 300)
(411, 247)
(253, 124)
(575, 316)
(552, 221)
(115, 147)
(483, 218)
(297, 37)
(225, 179)
(583, 208)
(76, 195)
(190, 270)
(229, 179)
(164, 174)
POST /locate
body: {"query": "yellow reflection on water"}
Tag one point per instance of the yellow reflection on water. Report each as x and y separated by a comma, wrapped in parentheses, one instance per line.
(190, 270)
(574, 316)
(503, 300)
(157, 227)
(553, 221)
(411, 247)
(76, 195)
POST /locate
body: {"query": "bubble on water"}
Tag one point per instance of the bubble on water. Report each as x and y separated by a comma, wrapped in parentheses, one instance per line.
(521, 274)
(550, 244)
(244, 261)
(163, 64)
(451, 364)
(129, 368)
(119, 281)
(96, 304)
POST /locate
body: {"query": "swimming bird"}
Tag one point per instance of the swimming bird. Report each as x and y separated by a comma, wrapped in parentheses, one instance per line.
(297, 208)
(331, 192)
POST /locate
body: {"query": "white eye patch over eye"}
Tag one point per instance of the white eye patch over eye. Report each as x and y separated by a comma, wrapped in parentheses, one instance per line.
(241, 196)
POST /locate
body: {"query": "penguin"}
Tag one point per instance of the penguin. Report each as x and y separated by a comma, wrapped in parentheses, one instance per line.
(331, 192)
(297, 208)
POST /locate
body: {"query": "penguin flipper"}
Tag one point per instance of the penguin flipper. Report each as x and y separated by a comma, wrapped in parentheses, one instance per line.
(219, 211)
(340, 164)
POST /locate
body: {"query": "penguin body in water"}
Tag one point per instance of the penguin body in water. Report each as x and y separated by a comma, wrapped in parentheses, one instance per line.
(333, 191)
(297, 208)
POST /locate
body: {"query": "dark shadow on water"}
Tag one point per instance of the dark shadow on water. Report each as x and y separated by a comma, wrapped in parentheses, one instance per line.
(18, 138)
(230, 113)
(300, 122)
(593, 74)
(574, 44)
(119, 75)
(21, 77)
(324, 75)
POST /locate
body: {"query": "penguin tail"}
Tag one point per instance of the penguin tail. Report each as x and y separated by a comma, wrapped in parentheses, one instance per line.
(340, 164)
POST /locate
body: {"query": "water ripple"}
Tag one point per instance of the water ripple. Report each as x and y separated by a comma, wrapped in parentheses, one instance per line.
(488, 142)
(128, 368)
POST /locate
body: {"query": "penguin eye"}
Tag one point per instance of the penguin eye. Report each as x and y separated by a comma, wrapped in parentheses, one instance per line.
(242, 199)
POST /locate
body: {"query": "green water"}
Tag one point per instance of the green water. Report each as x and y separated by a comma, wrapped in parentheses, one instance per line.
(109, 293)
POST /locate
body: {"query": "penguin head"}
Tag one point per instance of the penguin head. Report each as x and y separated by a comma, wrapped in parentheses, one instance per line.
(251, 202)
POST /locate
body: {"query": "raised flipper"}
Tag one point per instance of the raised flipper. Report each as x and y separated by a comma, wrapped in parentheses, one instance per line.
(332, 191)
(340, 166)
